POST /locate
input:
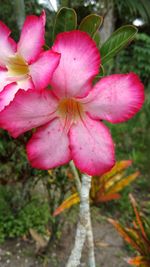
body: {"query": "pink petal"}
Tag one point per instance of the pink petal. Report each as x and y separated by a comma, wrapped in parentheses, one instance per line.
(3, 79)
(32, 37)
(49, 146)
(79, 63)
(25, 84)
(41, 71)
(7, 45)
(115, 98)
(28, 110)
(7, 95)
(92, 147)
(9, 91)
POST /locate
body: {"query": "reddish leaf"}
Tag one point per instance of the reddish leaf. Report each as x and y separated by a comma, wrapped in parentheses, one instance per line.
(138, 218)
(107, 197)
(125, 234)
(139, 261)
(118, 167)
(68, 203)
(119, 185)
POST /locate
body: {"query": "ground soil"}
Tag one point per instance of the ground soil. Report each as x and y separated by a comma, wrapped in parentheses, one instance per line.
(109, 249)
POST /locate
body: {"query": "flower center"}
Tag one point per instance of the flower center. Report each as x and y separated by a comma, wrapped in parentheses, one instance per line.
(70, 110)
(17, 67)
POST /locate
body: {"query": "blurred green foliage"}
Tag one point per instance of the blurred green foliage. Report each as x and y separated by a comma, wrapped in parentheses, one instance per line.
(35, 215)
(136, 58)
(28, 197)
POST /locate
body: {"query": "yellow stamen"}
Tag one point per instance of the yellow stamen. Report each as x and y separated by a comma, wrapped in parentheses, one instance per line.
(17, 66)
(70, 110)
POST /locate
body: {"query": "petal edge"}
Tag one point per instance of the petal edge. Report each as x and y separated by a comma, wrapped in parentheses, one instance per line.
(115, 98)
(49, 146)
(29, 109)
(92, 147)
(79, 64)
(32, 37)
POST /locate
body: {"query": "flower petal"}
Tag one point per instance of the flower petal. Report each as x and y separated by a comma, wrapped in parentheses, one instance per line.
(79, 63)
(32, 37)
(49, 146)
(115, 98)
(25, 84)
(92, 147)
(3, 79)
(7, 95)
(41, 71)
(7, 44)
(28, 110)
(9, 91)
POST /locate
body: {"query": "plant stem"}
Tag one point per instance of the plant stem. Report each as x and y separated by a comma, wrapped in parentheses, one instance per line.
(90, 241)
(74, 259)
(76, 177)
(91, 256)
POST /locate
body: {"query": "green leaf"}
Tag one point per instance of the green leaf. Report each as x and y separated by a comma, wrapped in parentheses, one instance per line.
(66, 20)
(97, 39)
(100, 75)
(117, 41)
(91, 24)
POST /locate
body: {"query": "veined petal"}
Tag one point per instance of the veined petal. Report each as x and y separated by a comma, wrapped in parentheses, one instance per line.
(115, 98)
(79, 63)
(32, 37)
(41, 71)
(7, 95)
(28, 110)
(7, 44)
(9, 91)
(92, 147)
(3, 79)
(25, 84)
(49, 146)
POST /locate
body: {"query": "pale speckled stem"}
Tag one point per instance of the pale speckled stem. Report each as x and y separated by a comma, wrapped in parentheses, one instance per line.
(90, 243)
(89, 234)
(84, 228)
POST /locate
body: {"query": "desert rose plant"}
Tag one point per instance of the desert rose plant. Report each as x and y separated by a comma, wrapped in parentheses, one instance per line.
(71, 113)
(69, 116)
(25, 65)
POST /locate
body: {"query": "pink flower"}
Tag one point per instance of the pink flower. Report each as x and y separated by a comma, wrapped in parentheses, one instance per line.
(25, 65)
(71, 114)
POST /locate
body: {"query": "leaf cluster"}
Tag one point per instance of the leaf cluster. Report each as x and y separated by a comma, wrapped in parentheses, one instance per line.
(66, 20)
(138, 236)
(104, 188)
